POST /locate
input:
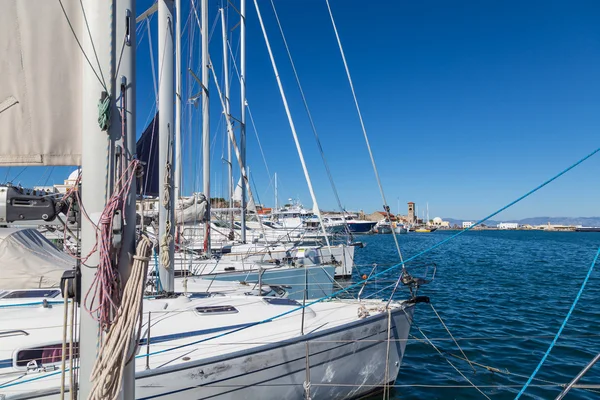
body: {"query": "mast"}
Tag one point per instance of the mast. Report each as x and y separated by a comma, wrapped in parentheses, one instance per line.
(292, 126)
(227, 110)
(276, 194)
(205, 122)
(95, 163)
(243, 108)
(166, 214)
(178, 162)
(427, 204)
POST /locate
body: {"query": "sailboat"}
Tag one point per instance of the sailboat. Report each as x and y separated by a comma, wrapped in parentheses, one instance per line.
(189, 346)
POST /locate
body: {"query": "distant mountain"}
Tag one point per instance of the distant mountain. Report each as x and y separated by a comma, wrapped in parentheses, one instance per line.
(584, 221)
(459, 222)
(575, 221)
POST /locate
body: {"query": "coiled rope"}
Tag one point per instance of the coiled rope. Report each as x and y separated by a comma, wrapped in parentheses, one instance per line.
(104, 297)
(167, 237)
(122, 339)
(104, 113)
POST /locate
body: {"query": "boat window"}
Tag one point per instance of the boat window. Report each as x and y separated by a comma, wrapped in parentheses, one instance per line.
(212, 310)
(281, 302)
(44, 355)
(21, 294)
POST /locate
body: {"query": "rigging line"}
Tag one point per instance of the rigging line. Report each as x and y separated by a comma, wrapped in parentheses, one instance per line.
(7, 172)
(152, 62)
(214, 26)
(81, 47)
(312, 302)
(120, 57)
(243, 169)
(49, 175)
(452, 336)
(450, 362)
(42, 176)
(506, 371)
(19, 174)
(562, 326)
(258, 139)
(364, 130)
(140, 36)
(187, 21)
(87, 26)
(237, 72)
(512, 203)
(292, 125)
(310, 118)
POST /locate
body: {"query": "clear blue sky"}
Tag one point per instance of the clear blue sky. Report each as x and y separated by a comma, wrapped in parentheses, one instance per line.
(467, 104)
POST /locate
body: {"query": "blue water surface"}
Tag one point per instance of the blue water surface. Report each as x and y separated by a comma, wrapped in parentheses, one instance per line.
(503, 295)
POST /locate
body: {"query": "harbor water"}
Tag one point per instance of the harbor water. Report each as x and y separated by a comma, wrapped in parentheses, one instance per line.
(503, 295)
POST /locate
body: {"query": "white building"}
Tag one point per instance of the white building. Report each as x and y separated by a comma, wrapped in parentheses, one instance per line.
(508, 225)
(467, 224)
(437, 221)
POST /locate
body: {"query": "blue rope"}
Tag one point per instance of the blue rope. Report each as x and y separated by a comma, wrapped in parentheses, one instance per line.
(564, 171)
(37, 303)
(37, 378)
(564, 323)
(394, 267)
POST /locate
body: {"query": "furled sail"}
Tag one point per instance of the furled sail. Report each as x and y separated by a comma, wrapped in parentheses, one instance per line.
(187, 210)
(40, 82)
(191, 210)
(147, 153)
(237, 193)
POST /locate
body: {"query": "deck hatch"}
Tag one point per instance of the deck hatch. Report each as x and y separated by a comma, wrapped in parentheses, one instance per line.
(212, 310)
(281, 301)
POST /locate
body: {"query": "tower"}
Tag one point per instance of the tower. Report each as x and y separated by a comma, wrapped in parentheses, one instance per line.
(411, 212)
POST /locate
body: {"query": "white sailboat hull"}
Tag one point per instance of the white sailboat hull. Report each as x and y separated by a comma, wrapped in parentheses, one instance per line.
(347, 360)
(337, 358)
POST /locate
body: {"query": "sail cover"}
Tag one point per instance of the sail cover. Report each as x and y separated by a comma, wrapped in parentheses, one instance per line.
(29, 261)
(40, 82)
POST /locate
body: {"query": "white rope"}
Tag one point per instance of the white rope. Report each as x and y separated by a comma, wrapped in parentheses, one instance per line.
(122, 339)
(64, 342)
(165, 243)
(167, 184)
(386, 383)
(72, 389)
(362, 124)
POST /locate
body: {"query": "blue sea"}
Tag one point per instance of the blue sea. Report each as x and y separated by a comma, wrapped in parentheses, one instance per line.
(503, 295)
